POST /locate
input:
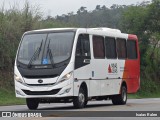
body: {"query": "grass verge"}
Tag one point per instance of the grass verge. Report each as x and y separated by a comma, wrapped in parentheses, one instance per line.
(7, 97)
(140, 95)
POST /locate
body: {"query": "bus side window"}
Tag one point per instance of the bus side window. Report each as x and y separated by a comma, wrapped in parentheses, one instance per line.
(121, 48)
(131, 49)
(98, 47)
(83, 45)
(110, 47)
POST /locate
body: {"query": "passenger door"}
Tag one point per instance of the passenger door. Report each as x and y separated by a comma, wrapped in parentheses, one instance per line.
(82, 60)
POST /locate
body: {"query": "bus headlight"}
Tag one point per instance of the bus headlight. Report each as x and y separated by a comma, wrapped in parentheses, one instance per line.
(17, 78)
(65, 77)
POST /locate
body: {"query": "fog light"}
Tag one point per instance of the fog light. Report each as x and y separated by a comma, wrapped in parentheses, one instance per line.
(19, 93)
(66, 91)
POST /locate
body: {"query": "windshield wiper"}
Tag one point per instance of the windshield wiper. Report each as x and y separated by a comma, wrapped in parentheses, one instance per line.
(36, 53)
(50, 53)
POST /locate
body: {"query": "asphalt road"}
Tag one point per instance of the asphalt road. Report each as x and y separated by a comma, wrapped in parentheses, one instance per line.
(151, 104)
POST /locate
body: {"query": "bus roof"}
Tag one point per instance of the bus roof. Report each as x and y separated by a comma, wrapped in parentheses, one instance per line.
(51, 29)
(62, 29)
(100, 30)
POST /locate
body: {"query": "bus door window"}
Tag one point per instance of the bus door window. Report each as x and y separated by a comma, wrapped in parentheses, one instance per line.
(82, 50)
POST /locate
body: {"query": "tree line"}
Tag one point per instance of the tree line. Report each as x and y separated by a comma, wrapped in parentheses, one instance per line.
(142, 19)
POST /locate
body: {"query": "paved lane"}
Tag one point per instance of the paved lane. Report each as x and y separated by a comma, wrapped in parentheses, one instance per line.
(151, 104)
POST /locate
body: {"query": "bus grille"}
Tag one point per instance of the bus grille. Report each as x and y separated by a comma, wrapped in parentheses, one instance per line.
(52, 92)
(40, 76)
(41, 84)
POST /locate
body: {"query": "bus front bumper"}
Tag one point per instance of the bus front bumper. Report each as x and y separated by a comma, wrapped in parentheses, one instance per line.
(63, 89)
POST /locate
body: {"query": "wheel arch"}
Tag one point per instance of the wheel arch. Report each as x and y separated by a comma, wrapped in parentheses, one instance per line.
(121, 98)
(123, 84)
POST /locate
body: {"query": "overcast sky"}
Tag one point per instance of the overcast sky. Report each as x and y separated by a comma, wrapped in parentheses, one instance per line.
(59, 7)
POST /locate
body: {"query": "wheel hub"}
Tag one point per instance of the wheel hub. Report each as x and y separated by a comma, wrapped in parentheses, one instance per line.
(124, 96)
(81, 98)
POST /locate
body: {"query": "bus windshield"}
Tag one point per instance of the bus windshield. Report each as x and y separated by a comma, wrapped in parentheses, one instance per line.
(46, 48)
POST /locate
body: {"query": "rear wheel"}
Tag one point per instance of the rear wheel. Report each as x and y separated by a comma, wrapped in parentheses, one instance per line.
(120, 99)
(85, 104)
(80, 101)
(32, 103)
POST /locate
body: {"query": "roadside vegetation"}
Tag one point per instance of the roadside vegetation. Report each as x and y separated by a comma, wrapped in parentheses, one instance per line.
(142, 19)
(7, 97)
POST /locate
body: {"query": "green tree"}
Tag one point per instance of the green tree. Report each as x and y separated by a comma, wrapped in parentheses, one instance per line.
(144, 21)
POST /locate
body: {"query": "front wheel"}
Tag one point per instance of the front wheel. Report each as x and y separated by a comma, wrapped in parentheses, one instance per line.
(32, 103)
(80, 101)
(120, 99)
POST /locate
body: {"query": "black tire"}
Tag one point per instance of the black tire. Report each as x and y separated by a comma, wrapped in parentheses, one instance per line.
(120, 99)
(80, 101)
(32, 103)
